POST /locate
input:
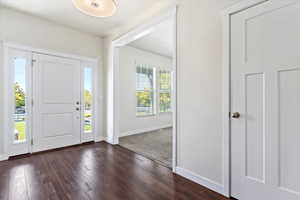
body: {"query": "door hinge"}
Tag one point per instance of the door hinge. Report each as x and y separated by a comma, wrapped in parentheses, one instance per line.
(33, 60)
(32, 63)
(31, 102)
(31, 141)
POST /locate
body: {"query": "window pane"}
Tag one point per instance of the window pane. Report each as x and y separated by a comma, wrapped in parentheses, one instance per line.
(88, 80)
(144, 102)
(144, 77)
(144, 91)
(165, 91)
(165, 80)
(165, 102)
(20, 103)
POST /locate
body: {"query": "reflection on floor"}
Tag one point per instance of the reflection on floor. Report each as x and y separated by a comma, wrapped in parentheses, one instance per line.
(97, 171)
(155, 145)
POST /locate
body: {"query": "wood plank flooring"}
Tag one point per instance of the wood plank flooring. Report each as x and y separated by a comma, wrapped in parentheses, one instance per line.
(95, 171)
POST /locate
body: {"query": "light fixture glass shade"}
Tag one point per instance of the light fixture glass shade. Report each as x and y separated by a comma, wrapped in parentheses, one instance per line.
(96, 8)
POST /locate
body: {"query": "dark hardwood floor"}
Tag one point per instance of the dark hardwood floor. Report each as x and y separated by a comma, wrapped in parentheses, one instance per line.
(95, 171)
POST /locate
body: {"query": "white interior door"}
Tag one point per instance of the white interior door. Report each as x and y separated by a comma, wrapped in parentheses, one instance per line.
(56, 102)
(266, 91)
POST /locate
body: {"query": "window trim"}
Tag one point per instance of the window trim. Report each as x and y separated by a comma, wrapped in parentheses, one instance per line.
(11, 147)
(165, 91)
(26, 99)
(87, 66)
(89, 135)
(153, 90)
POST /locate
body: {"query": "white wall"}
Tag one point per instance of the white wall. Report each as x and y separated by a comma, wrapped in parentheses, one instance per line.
(200, 139)
(129, 122)
(29, 30)
(199, 74)
(199, 40)
(38, 33)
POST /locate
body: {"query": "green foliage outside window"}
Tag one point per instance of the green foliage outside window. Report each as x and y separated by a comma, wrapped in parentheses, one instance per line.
(20, 129)
(145, 77)
(19, 95)
(165, 91)
(144, 90)
(144, 98)
(87, 110)
(165, 102)
(20, 105)
(144, 102)
(87, 99)
(165, 80)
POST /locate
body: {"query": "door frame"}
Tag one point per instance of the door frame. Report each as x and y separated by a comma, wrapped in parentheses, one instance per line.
(93, 66)
(226, 90)
(9, 99)
(97, 109)
(113, 80)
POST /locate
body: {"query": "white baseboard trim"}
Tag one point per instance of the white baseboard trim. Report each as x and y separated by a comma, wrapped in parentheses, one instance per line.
(212, 185)
(3, 158)
(100, 139)
(134, 132)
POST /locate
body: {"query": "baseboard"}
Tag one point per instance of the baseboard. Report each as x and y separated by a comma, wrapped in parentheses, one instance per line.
(134, 132)
(212, 185)
(100, 139)
(3, 158)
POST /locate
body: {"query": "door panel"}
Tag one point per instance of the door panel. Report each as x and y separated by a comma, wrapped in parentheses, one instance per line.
(265, 89)
(289, 126)
(56, 93)
(254, 133)
(57, 124)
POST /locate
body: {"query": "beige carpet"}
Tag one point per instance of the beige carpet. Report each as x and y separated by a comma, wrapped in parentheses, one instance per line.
(155, 145)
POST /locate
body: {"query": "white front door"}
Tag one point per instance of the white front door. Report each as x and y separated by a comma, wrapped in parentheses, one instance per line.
(56, 106)
(265, 86)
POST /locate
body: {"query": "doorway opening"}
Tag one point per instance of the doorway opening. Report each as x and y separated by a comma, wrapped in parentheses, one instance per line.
(144, 79)
(146, 96)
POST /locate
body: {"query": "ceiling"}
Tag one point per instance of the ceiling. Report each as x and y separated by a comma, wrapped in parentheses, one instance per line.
(160, 40)
(63, 12)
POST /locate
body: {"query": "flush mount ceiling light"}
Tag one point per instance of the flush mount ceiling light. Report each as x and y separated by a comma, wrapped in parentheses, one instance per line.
(96, 8)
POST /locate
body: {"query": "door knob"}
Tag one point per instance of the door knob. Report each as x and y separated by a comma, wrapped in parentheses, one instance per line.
(236, 115)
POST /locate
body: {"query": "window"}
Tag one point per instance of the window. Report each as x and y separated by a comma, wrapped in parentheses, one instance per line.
(145, 91)
(165, 82)
(20, 100)
(88, 99)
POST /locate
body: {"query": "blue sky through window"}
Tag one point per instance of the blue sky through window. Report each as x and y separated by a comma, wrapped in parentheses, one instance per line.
(20, 72)
(88, 78)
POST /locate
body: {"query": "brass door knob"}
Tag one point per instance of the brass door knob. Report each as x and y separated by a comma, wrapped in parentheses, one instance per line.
(236, 115)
